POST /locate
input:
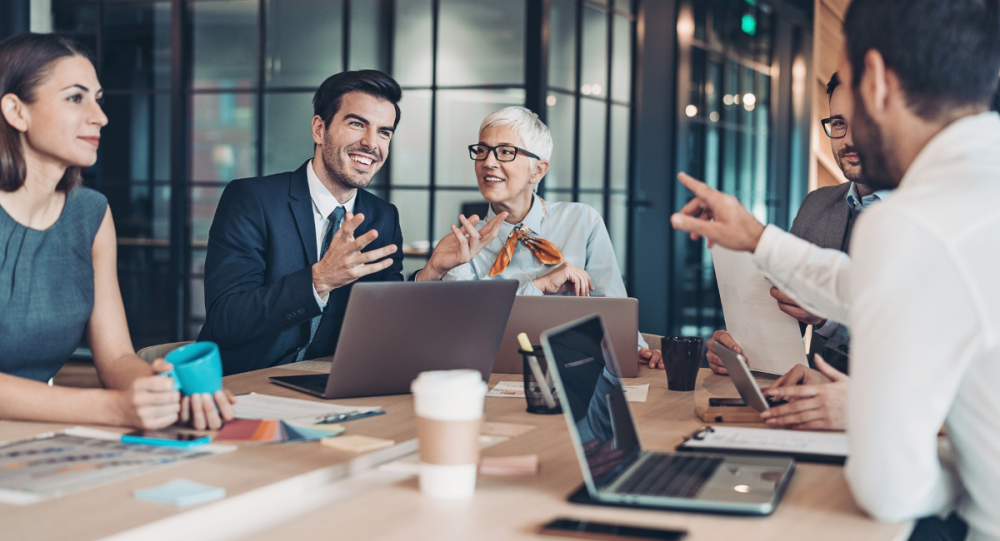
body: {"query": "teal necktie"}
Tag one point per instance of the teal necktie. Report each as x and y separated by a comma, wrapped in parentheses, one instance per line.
(336, 219)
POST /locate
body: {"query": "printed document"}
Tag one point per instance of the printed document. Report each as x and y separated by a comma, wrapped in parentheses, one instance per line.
(515, 389)
(770, 339)
(262, 406)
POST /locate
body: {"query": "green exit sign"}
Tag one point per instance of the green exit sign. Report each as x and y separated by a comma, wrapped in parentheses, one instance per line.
(749, 25)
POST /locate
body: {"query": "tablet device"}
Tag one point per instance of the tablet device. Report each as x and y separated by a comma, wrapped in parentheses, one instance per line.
(739, 372)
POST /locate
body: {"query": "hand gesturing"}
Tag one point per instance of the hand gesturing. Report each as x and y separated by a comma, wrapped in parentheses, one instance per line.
(460, 246)
(344, 261)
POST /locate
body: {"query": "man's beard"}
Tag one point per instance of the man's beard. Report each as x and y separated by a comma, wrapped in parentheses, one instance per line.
(854, 175)
(340, 167)
(869, 142)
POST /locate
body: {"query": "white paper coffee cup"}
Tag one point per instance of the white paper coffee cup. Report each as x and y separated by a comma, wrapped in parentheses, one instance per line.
(449, 408)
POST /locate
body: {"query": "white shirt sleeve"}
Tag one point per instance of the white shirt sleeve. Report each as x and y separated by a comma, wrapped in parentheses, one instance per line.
(814, 277)
(320, 301)
(913, 327)
(827, 329)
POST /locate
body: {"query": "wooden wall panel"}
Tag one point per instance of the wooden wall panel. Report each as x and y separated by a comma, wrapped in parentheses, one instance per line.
(829, 41)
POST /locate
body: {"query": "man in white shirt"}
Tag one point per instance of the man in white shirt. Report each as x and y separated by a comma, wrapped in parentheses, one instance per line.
(920, 290)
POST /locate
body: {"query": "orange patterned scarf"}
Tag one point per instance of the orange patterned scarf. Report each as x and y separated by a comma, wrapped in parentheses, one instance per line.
(545, 251)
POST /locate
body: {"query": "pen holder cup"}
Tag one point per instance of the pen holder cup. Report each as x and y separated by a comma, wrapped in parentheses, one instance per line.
(532, 391)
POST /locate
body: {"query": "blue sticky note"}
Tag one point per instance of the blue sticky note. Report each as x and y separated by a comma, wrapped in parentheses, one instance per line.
(180, 492)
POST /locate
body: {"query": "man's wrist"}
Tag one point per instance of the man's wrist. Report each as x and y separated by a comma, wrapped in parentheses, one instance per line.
(321, 287)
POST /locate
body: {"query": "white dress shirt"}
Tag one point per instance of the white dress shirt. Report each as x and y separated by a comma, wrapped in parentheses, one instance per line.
(858, 204)
(323, 204)
(921, 295)
(575, 228)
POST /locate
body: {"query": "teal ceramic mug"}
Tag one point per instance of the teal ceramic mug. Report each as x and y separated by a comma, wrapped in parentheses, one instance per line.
(197, 368)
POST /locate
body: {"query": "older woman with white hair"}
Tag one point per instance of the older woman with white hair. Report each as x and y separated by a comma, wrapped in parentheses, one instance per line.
(550, 248)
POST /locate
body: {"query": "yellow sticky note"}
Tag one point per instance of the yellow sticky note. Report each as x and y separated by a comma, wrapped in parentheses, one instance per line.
(356, 444)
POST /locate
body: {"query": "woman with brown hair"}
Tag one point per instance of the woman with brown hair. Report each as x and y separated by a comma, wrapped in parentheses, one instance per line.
(58, 269)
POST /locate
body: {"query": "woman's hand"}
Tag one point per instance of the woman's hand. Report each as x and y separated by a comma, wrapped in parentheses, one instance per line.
(208, 411)
(652, 357)
(460, 246)
(565, 277)
(201, 411)
(150, 402)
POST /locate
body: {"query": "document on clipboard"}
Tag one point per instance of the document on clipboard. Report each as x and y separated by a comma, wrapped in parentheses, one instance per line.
(770, 339)
(803, 445)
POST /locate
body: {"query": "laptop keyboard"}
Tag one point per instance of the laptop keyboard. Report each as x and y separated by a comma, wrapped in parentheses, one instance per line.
(676, 476)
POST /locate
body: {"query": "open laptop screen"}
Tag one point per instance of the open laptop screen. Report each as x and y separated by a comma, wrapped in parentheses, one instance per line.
(593, 398)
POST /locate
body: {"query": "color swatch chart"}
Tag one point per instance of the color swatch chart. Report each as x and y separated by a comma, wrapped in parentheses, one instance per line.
(33, 470)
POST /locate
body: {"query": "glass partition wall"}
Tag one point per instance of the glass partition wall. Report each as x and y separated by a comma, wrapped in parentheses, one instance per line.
(741, 105)
(200, 92)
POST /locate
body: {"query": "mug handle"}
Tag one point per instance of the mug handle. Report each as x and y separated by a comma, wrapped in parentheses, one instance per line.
(172, 374)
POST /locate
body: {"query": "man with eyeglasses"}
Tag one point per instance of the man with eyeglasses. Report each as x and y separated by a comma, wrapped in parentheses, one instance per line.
(551, 248)
(826, 219)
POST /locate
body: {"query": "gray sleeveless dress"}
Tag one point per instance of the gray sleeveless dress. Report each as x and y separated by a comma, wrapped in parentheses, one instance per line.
(47, 286)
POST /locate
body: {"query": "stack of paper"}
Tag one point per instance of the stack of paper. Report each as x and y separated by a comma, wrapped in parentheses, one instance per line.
(297, 411)
(274, 431)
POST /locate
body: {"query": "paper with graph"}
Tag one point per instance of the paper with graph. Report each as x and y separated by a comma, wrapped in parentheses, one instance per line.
(770, 339)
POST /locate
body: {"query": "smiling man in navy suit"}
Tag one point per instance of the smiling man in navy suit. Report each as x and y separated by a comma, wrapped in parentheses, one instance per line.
(284, 249)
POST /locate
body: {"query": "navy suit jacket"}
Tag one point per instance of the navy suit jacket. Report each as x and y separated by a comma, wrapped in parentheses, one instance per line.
(258, 271)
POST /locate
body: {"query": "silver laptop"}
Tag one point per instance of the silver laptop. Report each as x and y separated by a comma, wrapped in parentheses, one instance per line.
(533, 314)
(393, 331)
(615, 467)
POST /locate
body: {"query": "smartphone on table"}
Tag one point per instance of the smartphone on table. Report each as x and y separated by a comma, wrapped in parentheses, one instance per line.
(739, 402)
(584, 529)
(166, 438)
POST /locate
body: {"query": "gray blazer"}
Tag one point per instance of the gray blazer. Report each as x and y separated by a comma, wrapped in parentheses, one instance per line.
(822, 220)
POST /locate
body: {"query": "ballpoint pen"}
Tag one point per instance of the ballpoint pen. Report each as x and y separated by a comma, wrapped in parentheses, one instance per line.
(340, 417)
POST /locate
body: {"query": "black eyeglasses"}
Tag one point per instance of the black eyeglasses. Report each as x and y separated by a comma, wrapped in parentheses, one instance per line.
(503, 153)
(835, 128)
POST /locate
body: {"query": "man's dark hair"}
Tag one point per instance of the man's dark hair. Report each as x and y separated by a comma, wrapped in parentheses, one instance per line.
(327, 100)
(945, 53)
(832, 85)
(996, 99)
(26, 61)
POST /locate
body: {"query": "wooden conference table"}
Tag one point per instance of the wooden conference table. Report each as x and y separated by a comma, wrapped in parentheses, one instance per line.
(306, 491)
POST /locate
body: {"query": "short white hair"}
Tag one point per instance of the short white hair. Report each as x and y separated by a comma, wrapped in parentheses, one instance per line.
(535, 134)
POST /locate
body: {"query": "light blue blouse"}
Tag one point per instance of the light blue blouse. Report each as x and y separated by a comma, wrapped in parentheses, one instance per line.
(576, 229)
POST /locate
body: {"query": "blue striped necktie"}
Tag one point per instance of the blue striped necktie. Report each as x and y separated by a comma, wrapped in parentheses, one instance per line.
(336, 218)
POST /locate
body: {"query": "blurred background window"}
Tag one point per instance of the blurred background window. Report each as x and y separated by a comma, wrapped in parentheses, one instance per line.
(201, 92)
